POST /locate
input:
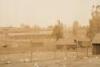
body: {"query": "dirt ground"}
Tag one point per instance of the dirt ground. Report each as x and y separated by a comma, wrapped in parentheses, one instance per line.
(86, 62)
(49, 59)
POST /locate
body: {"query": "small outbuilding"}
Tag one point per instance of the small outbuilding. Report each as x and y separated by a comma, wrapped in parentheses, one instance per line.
(96, 44)
(66, 44)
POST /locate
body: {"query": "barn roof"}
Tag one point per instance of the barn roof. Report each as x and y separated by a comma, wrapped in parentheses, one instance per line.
(96, 39)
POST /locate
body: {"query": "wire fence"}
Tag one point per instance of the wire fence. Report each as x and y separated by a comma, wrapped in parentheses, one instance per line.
(43, 58)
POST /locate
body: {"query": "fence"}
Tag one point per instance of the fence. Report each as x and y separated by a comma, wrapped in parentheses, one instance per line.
(45, 58)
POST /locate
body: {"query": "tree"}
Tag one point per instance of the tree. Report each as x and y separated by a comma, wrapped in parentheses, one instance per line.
(94, 25)
(58, 31)
(75, 28)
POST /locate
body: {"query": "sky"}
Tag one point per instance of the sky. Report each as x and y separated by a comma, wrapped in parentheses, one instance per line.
(45, 12)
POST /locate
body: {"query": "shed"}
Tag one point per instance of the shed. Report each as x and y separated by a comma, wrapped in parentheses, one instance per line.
(96, 44)
(65, 44)
(83, 41)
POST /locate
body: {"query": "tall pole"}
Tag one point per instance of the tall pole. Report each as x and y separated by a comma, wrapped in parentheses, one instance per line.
(76, 42)
(6, 37)
(87, 51)
(77, 47)
(31, 53)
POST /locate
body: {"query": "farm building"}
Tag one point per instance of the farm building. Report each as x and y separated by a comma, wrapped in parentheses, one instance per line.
(96, 44)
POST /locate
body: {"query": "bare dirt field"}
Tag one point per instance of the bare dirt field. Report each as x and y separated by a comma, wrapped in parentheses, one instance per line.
(49, 59)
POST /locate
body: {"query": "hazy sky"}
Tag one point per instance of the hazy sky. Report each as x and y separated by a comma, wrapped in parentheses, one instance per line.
(44, 12)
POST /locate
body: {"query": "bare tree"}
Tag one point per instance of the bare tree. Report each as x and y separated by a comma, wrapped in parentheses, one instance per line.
(75, 28)
(94, 25)
(58, 31)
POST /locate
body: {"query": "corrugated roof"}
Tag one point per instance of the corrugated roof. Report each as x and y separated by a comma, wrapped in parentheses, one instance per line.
(83, 38)
(96, 39)
(65, 42)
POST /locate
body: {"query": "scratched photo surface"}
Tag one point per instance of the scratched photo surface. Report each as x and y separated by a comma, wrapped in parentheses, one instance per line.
(49, 33)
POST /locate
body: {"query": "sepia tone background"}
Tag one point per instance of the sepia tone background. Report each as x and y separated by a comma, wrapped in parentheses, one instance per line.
(45, 12)
(49, 33)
